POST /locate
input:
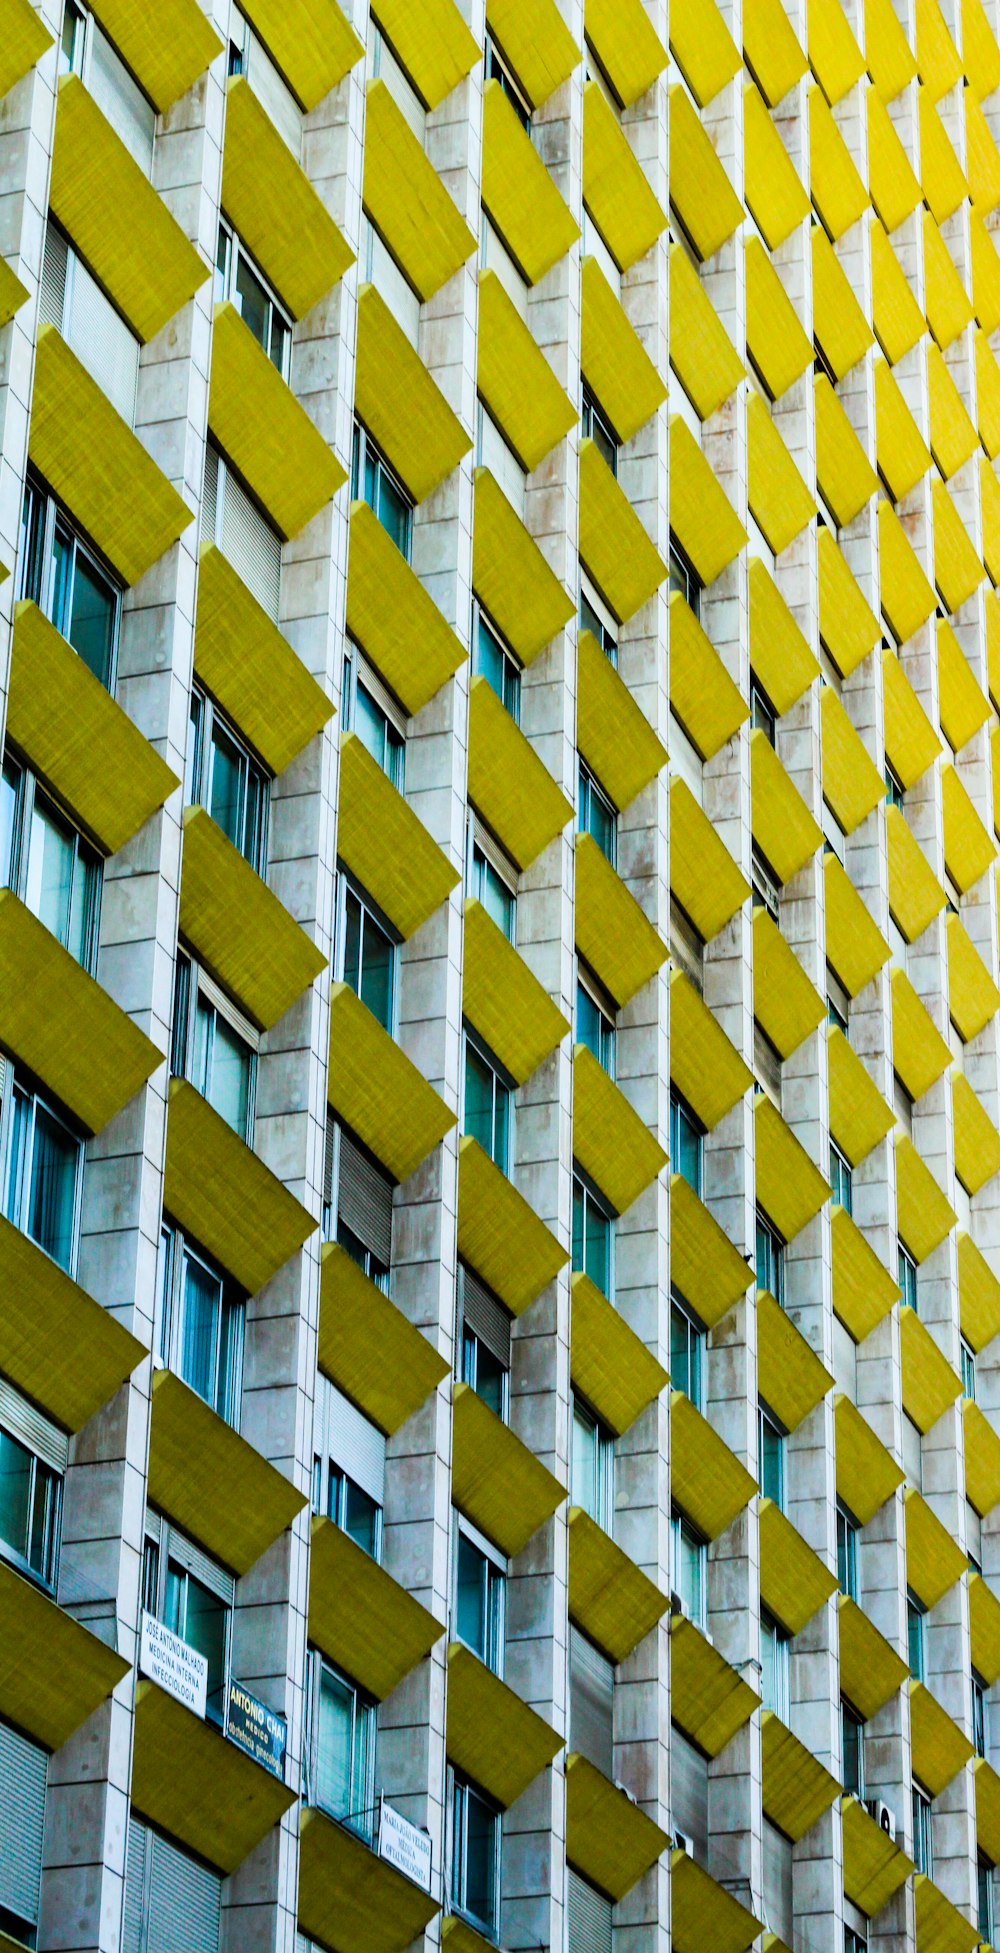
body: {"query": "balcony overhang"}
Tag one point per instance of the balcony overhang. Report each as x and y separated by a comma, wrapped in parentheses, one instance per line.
(867, 1474)
(608, 1837)
(706, 1268)
(394, 618)
(378, 1091)
(496, 1481)
(797, 1788)
(615, 548)
(941, 1928)
(783, 828)
(400, 402)
(708, 1481)
(504, 1000)
(406, 199)
(982, 1459)
(619, 199)
(368, 1348)
(432, 40)
(499, 1233)
(519, 195)
(610, 1140)
(786, 1003)
(791, 1377)
(350, 1898)
(915, 894)
(929, 1382)
(856, 946)
(615, 363)
(924, 1215)
(934, 1560)
(516, 382)
(58, 1346)
(492, 1735)
(702, 694)
(611, 1600)
(537, 43)
(939, 1748)
(509, 783)
(269, 199)
(870, 1669)
(250, 667)
(793, 1580)
(24, 42)
(977, 1142)
(197, 1787)
(919, 1053)
(386, 845)
(269, 960)
(710, 1700)
(609, 1364)
(863, 1289)
(312, 42)
(874, 1865)
(511, 577)
(704, 1914)
(704, 1064)
(210, 1481)
(166, 53)
(221, 1194)
(264, 431)
(613, 934)
(859, 1115)
(707, 526)
(360, 1617)
(790, 1189)
(984, 1625)
(53, 1672)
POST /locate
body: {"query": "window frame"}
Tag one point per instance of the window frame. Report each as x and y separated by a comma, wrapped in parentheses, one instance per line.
(485, 858)
(967, 1359)
(682, 576)
(372, 915)
(841, 1178)
(511, 668)
(41, 516)
(607, 1016)
(916, 1635)
(592, 417)
(194, 988)
(980, 1715)
(763, 713)
(461, 1792)
(906, 1273)
(766, 1421)
(13, 1089)
(362, 1704)
(358, 673)
(923, 1830)
(497, 68)
(174, 1254)
(849, 1717)
(696, 1343)
(28, 798)
(40, 1471)
(591, 793)
(165, 1546)
(227, 289)
(363, 449)
(591, 1199)
(199, 771)
(766, 1237)
(682, 1531)
(686, 1130)
(847, 1532)
(590, 618)
(503, 1092)
(494, 1610)
(602, 1440)
(778, 1640)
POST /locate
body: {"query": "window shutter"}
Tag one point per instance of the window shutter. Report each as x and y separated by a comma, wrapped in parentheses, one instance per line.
(102, 341)
(364, 1200)
(22, 1820)
(23, 1421)
(52, 292)
(185, 1902)
(329, 1157)
(122, 100)
(210, 494)
(591, 1703)
(484, 1315)
(252, 546)
(355, 1444)
(135, 1877)
(588, 1917)
(193, 1560)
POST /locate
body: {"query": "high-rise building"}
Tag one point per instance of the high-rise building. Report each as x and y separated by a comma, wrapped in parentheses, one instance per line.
(499, 976)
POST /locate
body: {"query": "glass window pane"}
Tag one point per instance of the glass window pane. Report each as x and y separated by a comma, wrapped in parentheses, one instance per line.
(584, 1462)
(227, 1396)
(205, 1629)
(15, 1492)
(361, 1517)
(335, 1747)
(255, 306)
(44, 1518)
(226, 800)
(377, 964)
(200, 1337)
(49, 884)
(370, 725)
(10, 785)
(480, 1863)
(62, 576)
(478, 1100)
(393, 512)
(53, 1187)
(490, 1378)
(231, 1069)
(497, 900)
(597, 1252)
(470, 1596)
(353, 914)
(92, 623)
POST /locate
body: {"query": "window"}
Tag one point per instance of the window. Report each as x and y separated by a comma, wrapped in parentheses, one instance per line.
(358, 1204)
(201, 1326)
(61, 575)
(984, 1899)
(30, 1508)
(968, 1356)
(592, 621)
(489, 882)
(683, 577)
(689, 1564)
(595, 1023)
(372, 481)
(496, 70)
(488, 1104)
(906, 1275)
(368, 955)
(923, 1852)
(45, 861)
(194, 1599)
(483, 1343)
(853, 1749)
(836, 1017)
(222, 776)
(854, 1942)
(343, 1772)
(593, 1466)
(475, 1858)
(687, 1352)
(44, 1176)
(840, 1178)
(773, 1666)
(600, 431)
(763, 716)
(492, 660)
(214, 1047)
(893, 788)
(847, 1553)
(593, 1237)
(353, 1510)
(596, 815)
(687, 1143)
(348, 1468)
(480, 1599)
(71, 40)
(591, 1706)
(764, 886)
(979, 1714)
(916, 1636)
(771, 1461)
(770, 1259)
(247, 539)
(237, 278)
(369, 710)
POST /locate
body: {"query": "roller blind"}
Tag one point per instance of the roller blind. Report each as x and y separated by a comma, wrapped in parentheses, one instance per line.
(487, 1318)
(588, 1917)
(22, 1818)
(591, 1703)
(364, 1200)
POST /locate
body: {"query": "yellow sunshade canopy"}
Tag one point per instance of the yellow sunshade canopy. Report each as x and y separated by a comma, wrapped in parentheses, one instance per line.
(859, 1115)
(210, 1481)
(77, 739)
(510, 575)
(985, 274)
(968, 849)
(53, 1671)
(874, 1866)
(944, 183)
(840, 325)
(773, 54)
(957, 568)
(987, 1784)
(911, 743)
(266, 963)
(499, 1235)
(166, 54)
(516, 382)
(703, 1913)
(903, 455)
(704, 1065)
(870, 1669)
(948, 305)
(709, 1699)
(915, 894)
(360, 1617)
(496, 1481)
(984, 1626)
(964, 708)
(200, 1789)
(350, 1897)
(852, 784)
(616, 190)
(312, 42)
(250, 667)
(897, 318)
(934, 1560)
(537, 43)
(929, 1382)
(977, 1142)
(611, 1600)
(492, 1735)
(776, 340)
(848, 626)
(990, 498)
(433, 42)
(786, 1003)
(844, 474)
(907, 597)
(987, 396)
(701, 352)
(24, 42)
(613, 934)
(891, 62)
(855, 945)
(62, 1026)
(779, 652)
(268, 436)
(894, 187)
(790, 1188)
(386, 844)
(703, 48)
(937, 56)
(705, 1265)
(700, 191)
(979, 45)
(368, 1348)
(615, 364)
(834, 54)
(867, 1474)
(615, 547)
(274, 207)
(978, 1294)
(783, 827)
(982, 1459)
(941, 1928)
(923, 1214)
(707, 1480)
(704, 878)
(612, 731)
(378, 1091)
(630, 51)
(609, 1364)
(919, 1053)
(701, 514)
(519, 195)
(58, 1346)
(12, 293)
(863, 1289)
(406, 199)
(394, 618)
(953, 437)
(793, 1580)
(221, 1194)
(509, 784)
(401, 404)
(774, 195)
(610, 1140)
(103, 200)
(983, 161)
(504, 1000)
(837, 190)
(608, 1837)
(779, 499)
(703, 697)
(790, 1376)
(97, 466)
(796, 1787)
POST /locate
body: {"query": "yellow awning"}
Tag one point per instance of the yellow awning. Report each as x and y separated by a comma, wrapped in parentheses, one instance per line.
(793, 1580)
(210, 1481)
(515, 380)
(957, 568)
(786, 1003)
(224, 1197)
(863, 1289)
(509, 784)
(166, 52)
(990, 494)
(783, 827)
(964, 708)
(837, 190)
(393, 617)
(929, 1382)
(709, 1699)
(704, 1065)
(701, 352)
(776, 340)
(703, 48)
(977, 1142)
(867, 1474)
(948, 305)
(537, 43)
(401, 404)
(700, 191)
(982, 55)
(707, 1480)
(968, 849)
(855, 945)
(616, 190)
(834, 54)
(941, 1928)
(615, 547)
(790, 1375)
(97, 466)
(386, 844)
(610, 1139)
(790, 1188)
(261, 427)
(987, 395)
(77, 738)
(432, 40)
(504, 999)
(983, 160)
(247, 663)
(703, 1914)
(613, 934)
(978, 1294)
(704, 878)
(779, 652)
(953, 437)
(492, 1735)
(496, 1481)
(612, 731)
(500, 1235)
(519, 195)
(12, 294)
(987, 1785)
(53, 1671)
(609, 1838)
(360, 1617)
(200, 1789)
(859, 1115)
(982, 1459)
(779, 499)
(369, 1348)
(848, 626)
(907, 597)
(268, 962)
(938, 58)
(915, 894)
(870, 1670)
(852, 784)
(628, 48)
(378, 1091)
(705, 1266)
(941, 172)
(874, 1866)
(701, 514)
(840, 325)
(845, 476)
(407, 201)
(58, 1346)
(923, 1214)
(312, 42)
(796, 1787)
(934, 1560)
(903, 454)
(349, 1897)
(891, 63)
(611, 1600)
(919, 1053)
(774, 195)
(898, 320)
(62, 1026)
(510, 575)
(894, 187)
(104, 201)
(609, 1364)
(24, 42)
(984, 1626)
(274, 207)
(985, 274)
(615, 364)
(911, 743)
(772, 51)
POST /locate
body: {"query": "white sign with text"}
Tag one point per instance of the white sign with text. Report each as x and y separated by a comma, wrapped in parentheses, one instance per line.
(401, 1844)
(175, 1667)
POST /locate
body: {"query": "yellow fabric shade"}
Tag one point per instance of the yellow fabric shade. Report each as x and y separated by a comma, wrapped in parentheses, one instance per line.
(703, 1913)
(700, 190)
(198, 1788)
(773, 54)
(911, 743)
(779, 653)
(705, 1265)
(923, 1214)
(616, 190)
(977, 1142)
(990, 492)
(915, 894)
(166, 52)
(983, 160)
(221, 1194)
(704, 877)
(855, 945)
(703, 697)
(707, 1480)
(266, 963)
(793, 1580)
(896, 316)
(273, 205)
(978, 1294)
(432, 40)
(790, 1376)
(783, 827)
(779, 499)
(608, 1837)
(837, 190)
(210, 1481)
(516, 382)
(979, 46)
(867, 1474)
(934, 1560)
(894, 187)
(510, 575)
(985, 274)
(987, 1784)
(786, 1003)
(844, 474)
(519, 195)
(536, 42)
(840, 325)
(891, 62)
(776, 340)
(262, 429)
(54, 1672)
(851, 782)
(982, 1459)
(968, 849)
(929, 1382)
(378, 1091)
(790, 1189)
(859, 1115)
(870, 1669)
(701, 351)
(941, 1928)
(387, 845)
(848, 626)
(710, 1700)
(58, 1346)
(987, 396)
(360, 1617)
(509, 784)
(12, 293)
(836, 59)
(937, 55)
(611, 1600)
(907, 597)
(796, 1787)
(964, 708)
(496, 1481)
(312, 42)
(500, 1235)
(703, 47)
(628, 47)
(948, 304)
(401, 404)
(903, 454)
(701, 515)
(609, 1365)
(613, 733)
(616, 366)
(944, 183)
(991, 605)
(615, 547)
(953, 437)
(874, 1866)
(492, 1735)
(863, 1290)
(504, 1000)
(368, 1348)
(919, 1053)
(957, 569)
(610, 1140)
(706, 1068)
(25, 40)
(773, 191)
(984, 1623)
(613, 934)
(349, 1896)
(406, 199)
(393, 617)
(250, 668)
